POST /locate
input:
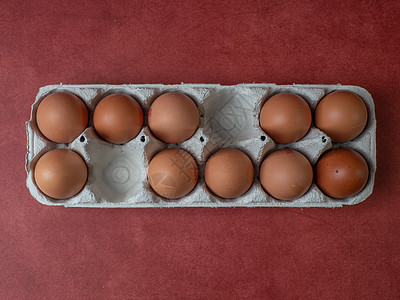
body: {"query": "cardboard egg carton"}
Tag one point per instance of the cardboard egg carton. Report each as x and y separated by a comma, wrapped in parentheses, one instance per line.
(229, 117)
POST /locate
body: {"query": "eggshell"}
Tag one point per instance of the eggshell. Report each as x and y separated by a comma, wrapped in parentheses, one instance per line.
(61, 117)
(173, 117)
(229, 173)
(60, 173)
(342, 115)
(341, 173)
(118, 118)
(286, 118)
(173, 173)
(286, 174)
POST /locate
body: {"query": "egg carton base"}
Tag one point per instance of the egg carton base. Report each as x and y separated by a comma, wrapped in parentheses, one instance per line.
(218, 106)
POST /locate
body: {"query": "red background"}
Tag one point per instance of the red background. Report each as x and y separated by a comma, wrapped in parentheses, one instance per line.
(56, 252)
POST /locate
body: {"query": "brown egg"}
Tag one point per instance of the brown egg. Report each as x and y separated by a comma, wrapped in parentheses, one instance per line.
(229, 173)
(286, 118)
(118, 118)
(286, 174)
(60, 173)
(173, 117)
(341, 115)
(172, 173)
(61, 117)
(341, 173)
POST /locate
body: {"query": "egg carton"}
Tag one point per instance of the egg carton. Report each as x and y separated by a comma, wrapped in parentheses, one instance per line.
(229, 117)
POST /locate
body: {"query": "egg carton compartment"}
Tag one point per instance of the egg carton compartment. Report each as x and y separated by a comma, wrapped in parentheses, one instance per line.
(229, 117)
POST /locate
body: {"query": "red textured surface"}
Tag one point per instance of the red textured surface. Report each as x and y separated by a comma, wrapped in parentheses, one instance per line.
(60, 253)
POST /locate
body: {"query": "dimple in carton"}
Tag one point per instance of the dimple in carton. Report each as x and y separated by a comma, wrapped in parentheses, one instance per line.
(229, 117)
